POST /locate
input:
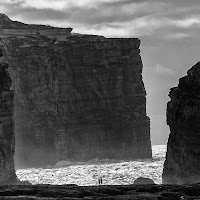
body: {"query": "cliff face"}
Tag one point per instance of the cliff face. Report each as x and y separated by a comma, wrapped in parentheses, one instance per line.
(9, 28)
(7, 138)
(80, 98)
(183, 117)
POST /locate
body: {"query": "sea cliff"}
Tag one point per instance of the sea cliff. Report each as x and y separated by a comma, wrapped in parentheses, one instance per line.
(183, 115)
(77, 97)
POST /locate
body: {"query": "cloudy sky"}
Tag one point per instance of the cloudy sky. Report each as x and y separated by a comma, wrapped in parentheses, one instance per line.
(168, 29)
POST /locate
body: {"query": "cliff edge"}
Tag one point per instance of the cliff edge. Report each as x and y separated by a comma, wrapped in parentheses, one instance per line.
(77, 97)
(183, 116)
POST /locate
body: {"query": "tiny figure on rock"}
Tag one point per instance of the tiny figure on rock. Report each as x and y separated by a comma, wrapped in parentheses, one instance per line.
(100, 181)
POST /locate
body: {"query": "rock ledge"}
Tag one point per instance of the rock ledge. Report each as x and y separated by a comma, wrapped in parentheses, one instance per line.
(118, 192)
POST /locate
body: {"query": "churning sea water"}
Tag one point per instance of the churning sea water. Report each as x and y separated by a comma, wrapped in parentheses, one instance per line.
(112, 172)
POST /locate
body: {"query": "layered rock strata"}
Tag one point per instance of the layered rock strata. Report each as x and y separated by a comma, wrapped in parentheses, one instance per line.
(183, 116)
(9, 28)
(78, 98)
(7, 138)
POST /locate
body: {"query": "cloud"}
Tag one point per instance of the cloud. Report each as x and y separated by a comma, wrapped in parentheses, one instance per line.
(161, 70)
(45, 4)
(178, 36)
(187, 22)
(167, 20)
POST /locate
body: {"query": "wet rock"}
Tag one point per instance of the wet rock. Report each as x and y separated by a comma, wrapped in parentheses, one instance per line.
(183, 115)
(143, 181)
(171, 195)
(133, 192)
(77, 99)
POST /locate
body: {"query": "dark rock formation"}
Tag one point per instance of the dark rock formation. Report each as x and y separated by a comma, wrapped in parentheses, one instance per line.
(79, 97)
(143, 181)
(182, 163)
(114, 192)
(7, 138)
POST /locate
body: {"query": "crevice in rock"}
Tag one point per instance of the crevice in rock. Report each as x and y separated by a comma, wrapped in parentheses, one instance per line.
(7, 137)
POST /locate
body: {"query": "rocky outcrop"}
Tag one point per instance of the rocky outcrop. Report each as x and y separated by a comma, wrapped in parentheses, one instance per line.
(103, 192)
(143, 181)
(7, 138)
(183, 117)
(77, 99)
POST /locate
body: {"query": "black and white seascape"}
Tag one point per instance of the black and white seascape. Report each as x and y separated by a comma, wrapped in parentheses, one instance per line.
(112, 172)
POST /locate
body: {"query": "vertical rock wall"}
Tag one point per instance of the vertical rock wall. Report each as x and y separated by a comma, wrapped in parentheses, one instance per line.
(182, 164)
(7, 138)
(80, 99)
(77, 97)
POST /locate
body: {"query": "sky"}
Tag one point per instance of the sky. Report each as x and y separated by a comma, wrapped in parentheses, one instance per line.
(168, 30)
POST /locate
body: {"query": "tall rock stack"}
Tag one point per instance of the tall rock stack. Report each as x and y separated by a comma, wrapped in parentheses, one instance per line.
(77, 97)
(7, 138)
(182, 164)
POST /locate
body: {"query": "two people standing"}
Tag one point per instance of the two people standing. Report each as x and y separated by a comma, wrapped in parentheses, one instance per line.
(100, 180)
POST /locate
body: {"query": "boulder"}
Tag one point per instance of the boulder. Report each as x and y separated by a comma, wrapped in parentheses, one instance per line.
(143, 181)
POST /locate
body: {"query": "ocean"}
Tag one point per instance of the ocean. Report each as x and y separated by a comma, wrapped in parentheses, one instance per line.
(112, 172)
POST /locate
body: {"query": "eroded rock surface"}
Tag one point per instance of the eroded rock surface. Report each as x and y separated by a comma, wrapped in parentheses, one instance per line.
(7, 138)
(182, 163)
(77, 98)
(114, 192)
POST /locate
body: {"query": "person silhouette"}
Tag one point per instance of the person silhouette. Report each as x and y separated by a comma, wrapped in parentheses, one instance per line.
(100, 181)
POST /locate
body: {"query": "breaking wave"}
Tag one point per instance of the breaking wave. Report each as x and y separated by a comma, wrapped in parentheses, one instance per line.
(113, 172)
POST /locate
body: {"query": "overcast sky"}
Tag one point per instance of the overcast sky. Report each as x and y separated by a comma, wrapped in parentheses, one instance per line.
(168, 29)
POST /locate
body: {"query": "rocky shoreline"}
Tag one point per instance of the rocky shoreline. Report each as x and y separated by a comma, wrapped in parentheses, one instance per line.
(103, 192)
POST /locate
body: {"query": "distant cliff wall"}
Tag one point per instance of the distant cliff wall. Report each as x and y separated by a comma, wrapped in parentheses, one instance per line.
(183, 117)
(78, 99)
(7, 138)
(54, 34)
(9, 28)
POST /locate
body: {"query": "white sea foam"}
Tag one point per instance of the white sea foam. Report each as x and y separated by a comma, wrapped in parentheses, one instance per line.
(113, 172)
